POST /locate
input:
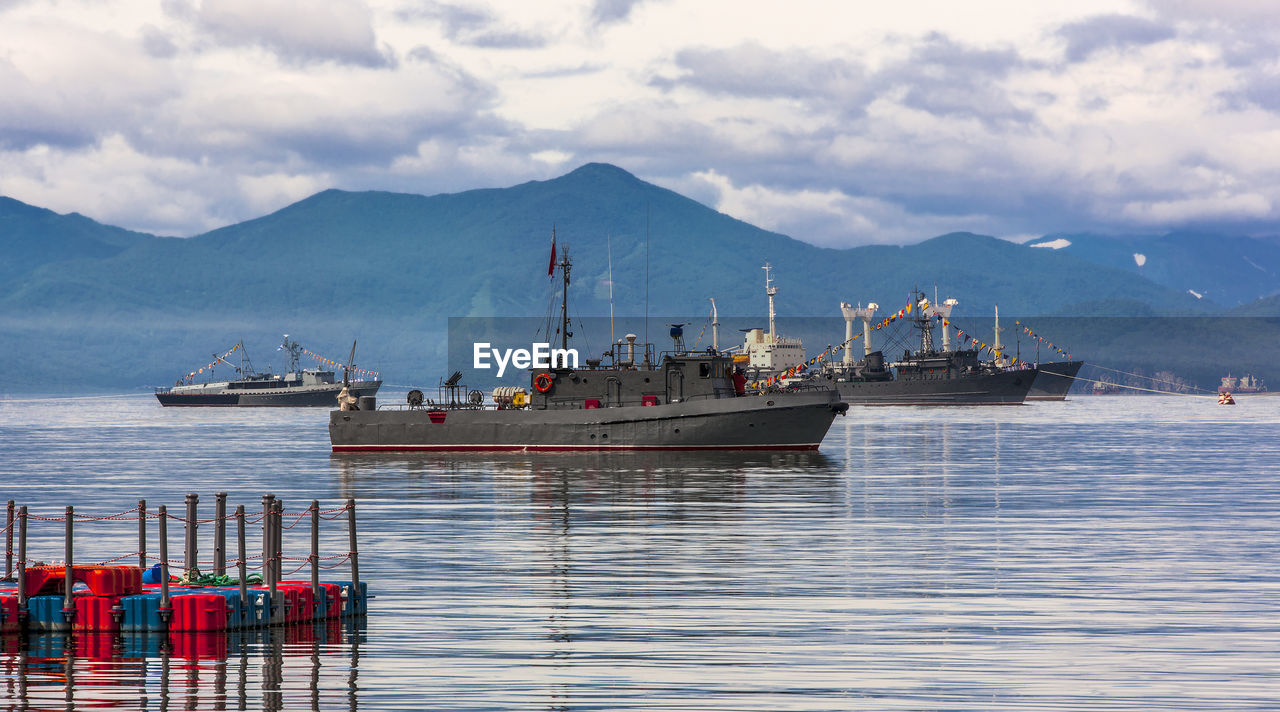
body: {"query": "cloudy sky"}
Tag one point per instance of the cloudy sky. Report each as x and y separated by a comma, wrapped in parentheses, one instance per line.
(839, 123)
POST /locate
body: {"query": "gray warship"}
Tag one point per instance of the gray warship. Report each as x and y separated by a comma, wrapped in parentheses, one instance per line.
(928, 376)
(296, 388)
(623, 401)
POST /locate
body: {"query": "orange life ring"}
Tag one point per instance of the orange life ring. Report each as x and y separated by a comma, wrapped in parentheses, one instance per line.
(542, 382)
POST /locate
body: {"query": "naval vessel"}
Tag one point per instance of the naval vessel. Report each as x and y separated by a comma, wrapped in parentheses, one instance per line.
(625, 400)
(927, 376)
(307, 387)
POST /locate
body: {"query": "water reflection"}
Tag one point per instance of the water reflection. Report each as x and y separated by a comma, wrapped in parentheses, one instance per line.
(312, 666)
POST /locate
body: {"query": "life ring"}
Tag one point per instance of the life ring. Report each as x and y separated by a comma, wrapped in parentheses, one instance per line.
(542, 382)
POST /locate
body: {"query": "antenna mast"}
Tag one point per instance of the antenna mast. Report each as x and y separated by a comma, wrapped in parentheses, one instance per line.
(564, 300)
(770, 290)
(612, 338)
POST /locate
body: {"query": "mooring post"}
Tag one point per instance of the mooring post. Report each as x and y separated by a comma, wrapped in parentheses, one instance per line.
(191, 562)
(240, 552)
(68, 577)
(279, 609)
(22, 566)
(8, 541)
(142, 534)
(279, 554)
(355, 555)
(165, 611)
(267, 537)
(220, 534)
(321, 607)
(276, 509)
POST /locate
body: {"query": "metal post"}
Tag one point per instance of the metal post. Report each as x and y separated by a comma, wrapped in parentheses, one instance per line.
(321, 607)
(277, 509)
(277, 597)
(165, 610)
(278, 558)
(142, 534)
(22, 565)
(8, 540)
(355, 556)
(267, 537)
(191, 562)
(240, 552)
(220, 534)
(68, 601)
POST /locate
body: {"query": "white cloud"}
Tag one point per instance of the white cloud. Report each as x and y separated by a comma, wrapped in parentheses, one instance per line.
(835, 125)
(1139, 259)
(1165, 212)
(827, 218)
(1057, 244)
(296, 30)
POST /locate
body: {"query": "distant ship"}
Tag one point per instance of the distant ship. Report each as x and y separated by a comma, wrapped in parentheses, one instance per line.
(622, 401)
(1105, 386)
(765, 353)
(928, 376)
(1244, 384)
(296, 388)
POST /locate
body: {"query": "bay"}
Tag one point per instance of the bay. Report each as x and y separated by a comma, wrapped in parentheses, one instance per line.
(1104, 553)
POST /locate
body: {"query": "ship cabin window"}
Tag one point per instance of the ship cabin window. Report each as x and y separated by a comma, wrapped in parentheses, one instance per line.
(704, 369)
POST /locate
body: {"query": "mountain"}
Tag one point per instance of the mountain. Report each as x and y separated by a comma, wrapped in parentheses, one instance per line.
(95, 307)
(34, 237)
(1227, 269)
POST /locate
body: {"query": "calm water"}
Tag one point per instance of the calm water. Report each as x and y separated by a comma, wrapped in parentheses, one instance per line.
(1105, 553)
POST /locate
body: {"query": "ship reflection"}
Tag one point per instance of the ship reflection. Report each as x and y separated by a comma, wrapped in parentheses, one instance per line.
(295, 667)
(596, 475)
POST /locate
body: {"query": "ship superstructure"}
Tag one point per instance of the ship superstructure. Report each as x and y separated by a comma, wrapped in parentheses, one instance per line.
(766, 352)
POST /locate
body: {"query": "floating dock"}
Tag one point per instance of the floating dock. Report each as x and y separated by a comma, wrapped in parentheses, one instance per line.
(115, 598)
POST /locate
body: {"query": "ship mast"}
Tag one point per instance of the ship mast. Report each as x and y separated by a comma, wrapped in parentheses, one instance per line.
(770, 290)
(996, 345)
(565, 264)
(922, 321)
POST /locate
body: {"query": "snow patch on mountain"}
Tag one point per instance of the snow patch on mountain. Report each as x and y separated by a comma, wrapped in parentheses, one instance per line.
(1057, 244)
(1139, 258)
(1195, 294)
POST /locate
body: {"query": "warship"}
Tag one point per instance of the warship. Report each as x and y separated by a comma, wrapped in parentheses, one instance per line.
(927, 376)
(306, 387)
(625, 400)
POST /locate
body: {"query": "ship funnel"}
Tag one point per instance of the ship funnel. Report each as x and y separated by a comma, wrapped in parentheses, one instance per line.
(859, 312)
(944, 310)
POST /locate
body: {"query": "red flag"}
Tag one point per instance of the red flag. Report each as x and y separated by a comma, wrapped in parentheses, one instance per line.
(551, 268)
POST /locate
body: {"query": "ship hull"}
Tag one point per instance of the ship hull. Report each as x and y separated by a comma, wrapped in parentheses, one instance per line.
(787, 421)
(1054, 380)
(300, 397)
(1006, 388)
